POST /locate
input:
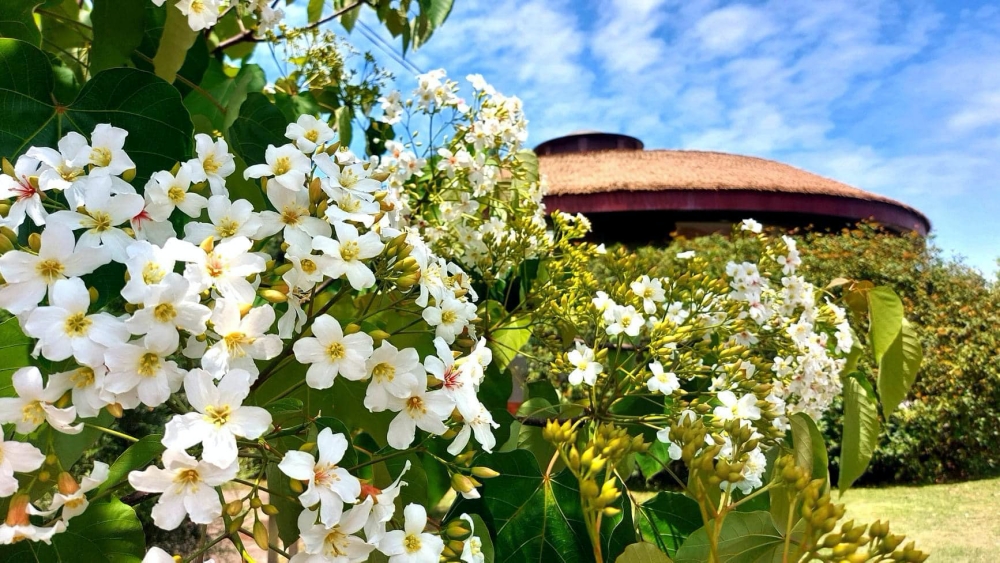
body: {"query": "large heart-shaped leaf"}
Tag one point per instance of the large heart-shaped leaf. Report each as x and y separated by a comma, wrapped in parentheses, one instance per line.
(746, 537)
(118, 27)
(536, 518)
(147, 107)
(668, 519)
(17, 20)
(15, 350)
(107, 532)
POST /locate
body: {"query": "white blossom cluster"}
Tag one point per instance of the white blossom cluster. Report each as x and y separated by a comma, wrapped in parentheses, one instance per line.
(211, 308)
(482, 203)
(204, 14)
(802, 343)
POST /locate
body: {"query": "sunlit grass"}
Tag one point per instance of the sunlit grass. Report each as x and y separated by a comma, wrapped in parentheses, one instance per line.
(957, 523)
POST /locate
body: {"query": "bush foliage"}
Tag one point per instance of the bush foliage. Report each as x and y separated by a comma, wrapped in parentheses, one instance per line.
(945, 431)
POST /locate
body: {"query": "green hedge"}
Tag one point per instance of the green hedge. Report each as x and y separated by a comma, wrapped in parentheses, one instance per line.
(948, 429)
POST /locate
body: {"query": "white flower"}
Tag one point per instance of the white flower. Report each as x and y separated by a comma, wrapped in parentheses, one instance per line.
(103, 214)
(602, 302)
(686, 255)
(419, 408)
(229, 219)
(74, 503)
(451, 162)
(33, 404)
(744, 408)
(155, 554)
(650, 291)
(16, 456)
(286, 164)
(64, 328)
(750, 225)
(481, 425)
(676, 313)
(449, 317)
(166, 192)
(27, 197)
(292, 214)
(625, 319)
(662, 381)
(354, 178)
(214, 163)
(411, 544)
(11, 533)
(308, 133)
(347, 252)
(348, 206)
(458, 381)
(86, 385)
(337, 543)
(328, 484)
(145, 369)
(28, 277)
(585, 367)
(147, 265)
(472, 551)
(241, 340)
(220, 417)
(105, 151)
(188, 488)
(60, 172)
(384, 507)
(201, 14)
(169, 306)
(330, 353)
(226, 267)
(393, 373)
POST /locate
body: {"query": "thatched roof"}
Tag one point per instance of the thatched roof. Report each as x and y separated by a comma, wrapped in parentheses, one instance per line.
(655, 170)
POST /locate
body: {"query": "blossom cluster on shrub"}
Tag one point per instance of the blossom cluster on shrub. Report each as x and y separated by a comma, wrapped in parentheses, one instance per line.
(741, 352)
(218, 297)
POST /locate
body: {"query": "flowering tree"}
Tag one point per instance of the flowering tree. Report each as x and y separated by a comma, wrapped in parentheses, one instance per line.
(331, 330)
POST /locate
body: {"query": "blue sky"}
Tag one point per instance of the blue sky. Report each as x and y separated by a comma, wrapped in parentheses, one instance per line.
(896, 97)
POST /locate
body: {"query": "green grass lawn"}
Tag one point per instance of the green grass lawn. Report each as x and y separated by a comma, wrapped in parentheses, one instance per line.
(956, 523)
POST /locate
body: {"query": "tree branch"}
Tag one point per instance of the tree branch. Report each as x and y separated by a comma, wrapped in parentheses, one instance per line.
(248, 35)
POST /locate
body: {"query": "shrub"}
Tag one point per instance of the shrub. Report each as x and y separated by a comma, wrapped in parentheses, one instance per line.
(945, 431)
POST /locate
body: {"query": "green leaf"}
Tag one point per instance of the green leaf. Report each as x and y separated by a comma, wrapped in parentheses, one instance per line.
(136, 457)
(653, 461)
(809, 445)
(314, 11)
(885, 311)
(535, 518)
(118, 30)
(137, 101)
(17, 21)
(15, 353)
(898, 369)
(506, 341)
(746, 537)
(860, 434)
(259, 124)
(107, 532)
(177, 39)
(437, 11)
(221, 93)
(70, 447)
(668, 519)
(642, 552)
(344, 126)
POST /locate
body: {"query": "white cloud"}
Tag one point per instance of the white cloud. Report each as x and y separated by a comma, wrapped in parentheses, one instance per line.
(732, 29)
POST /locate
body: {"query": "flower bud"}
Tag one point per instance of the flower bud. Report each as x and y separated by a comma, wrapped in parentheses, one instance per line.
(296, 486)
(234, 507)
(260, 535)
(129, 175)
(67, 484)
(484, 472)
(17, 512)
(94, 295)
(461, 483)
(5, 245)
(115, 410)
(379, 335)
(35, 242)
(272, 296)
(7, 168)
(457, 529)
(269, 509)
(235, 524)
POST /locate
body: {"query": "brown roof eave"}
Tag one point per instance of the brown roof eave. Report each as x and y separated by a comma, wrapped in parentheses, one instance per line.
(896, 216)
